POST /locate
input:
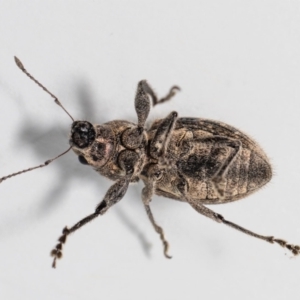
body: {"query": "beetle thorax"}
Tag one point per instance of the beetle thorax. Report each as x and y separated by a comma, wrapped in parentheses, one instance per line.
(108, 148)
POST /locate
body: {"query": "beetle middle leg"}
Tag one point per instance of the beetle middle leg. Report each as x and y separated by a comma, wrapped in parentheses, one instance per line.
(154, 174)
(295, 249)
(114, 194)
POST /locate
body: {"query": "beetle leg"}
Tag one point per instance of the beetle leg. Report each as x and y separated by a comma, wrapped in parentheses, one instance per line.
(127, 161)
(142, 102)
(160, 142)
(132, 137)
(148, 89)
(147, 193)
(295, 249)
(114, 194)
(159, 230)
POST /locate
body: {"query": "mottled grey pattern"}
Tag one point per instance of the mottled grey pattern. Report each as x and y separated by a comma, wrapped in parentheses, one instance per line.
(193, 160)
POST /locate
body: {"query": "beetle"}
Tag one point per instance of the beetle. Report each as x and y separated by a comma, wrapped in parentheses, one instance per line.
(193, 160)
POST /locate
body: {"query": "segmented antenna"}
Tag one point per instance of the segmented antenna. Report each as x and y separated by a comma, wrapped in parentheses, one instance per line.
(22, 68)
(47, 162)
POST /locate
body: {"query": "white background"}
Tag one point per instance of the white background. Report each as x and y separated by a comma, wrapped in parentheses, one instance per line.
(236, 61)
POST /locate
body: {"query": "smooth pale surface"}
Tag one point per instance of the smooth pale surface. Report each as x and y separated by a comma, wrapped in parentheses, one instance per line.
(236, 61)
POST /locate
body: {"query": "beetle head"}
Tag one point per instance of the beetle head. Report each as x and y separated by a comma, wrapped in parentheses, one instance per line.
(94, 145)
(82, 134)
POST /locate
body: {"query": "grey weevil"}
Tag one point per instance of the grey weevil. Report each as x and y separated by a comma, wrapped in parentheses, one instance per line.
(193, 160)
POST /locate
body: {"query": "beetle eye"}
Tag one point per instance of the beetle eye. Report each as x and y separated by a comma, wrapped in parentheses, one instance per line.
(82, 160)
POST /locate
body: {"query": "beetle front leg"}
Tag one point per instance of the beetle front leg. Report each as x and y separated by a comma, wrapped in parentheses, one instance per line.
(148, 89)
(295, 249)
(147, 194)
(113, 195)
(132, 137)
(142, 102)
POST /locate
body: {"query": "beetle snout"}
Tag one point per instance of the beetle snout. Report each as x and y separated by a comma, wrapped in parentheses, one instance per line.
(82, 134)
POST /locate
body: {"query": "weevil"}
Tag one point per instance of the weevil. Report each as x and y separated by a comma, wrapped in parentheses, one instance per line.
(193, 160)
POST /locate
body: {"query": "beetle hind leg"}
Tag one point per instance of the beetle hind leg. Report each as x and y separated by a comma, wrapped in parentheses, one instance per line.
(295, 249)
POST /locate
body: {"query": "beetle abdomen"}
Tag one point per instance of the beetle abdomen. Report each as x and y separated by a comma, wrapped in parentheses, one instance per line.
(248, 173)
(209, 153)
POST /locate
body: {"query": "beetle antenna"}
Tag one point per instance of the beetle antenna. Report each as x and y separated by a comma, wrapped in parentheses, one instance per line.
(21, 66)
(46, 163)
